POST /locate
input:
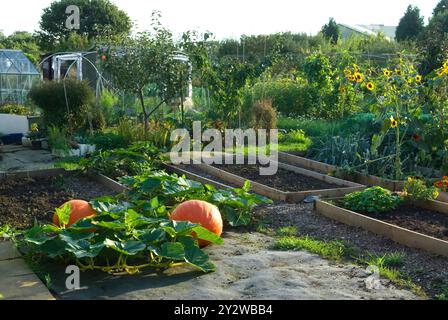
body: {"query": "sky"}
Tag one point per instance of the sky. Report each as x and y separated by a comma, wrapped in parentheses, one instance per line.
(232, 18)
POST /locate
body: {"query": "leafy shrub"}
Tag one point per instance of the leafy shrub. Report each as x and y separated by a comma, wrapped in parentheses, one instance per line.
(372, 200)
(107, 141)
(64, 103)
(58, 138)
(264, 115)
(16, 109)
(416, 190)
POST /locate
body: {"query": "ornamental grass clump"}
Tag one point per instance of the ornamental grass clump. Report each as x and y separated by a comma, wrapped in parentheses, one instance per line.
(372, 200)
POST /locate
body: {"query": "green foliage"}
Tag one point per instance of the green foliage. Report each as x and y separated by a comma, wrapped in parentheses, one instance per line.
(411, 25)
(441, 7)
(287, 232)
(372, 200)
(235, 204)
(107, 141)
(122, 238)
(15, 109)
(99, 18)
(24, 41)
(64, 104)
(416, 191)
(58, 139)
(331, 31)
(433, 43)
(139, 158)
(334, 250)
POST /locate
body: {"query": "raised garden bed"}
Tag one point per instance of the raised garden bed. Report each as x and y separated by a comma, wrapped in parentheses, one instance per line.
(291, 184)
(27, 196)
(422, 227)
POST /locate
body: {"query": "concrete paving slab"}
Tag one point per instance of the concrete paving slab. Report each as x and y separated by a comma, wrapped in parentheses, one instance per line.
(25, 287)
(8, 251)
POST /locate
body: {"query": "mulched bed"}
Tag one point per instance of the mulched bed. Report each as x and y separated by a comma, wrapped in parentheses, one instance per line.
(24, 200)
(428, 222)
(425, 269)
(284, 180)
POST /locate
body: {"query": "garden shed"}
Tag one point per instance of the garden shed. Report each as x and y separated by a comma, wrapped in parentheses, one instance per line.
(17, 74)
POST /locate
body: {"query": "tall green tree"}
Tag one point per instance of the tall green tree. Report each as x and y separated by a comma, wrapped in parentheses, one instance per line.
(98, 18)
(441, 7)
(411, 25)
(331, 31)
(433, 43)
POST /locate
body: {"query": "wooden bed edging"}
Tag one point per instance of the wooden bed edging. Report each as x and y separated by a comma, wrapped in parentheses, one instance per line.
(398, 234)
(443, 197)
(367, 180)
(275, 194)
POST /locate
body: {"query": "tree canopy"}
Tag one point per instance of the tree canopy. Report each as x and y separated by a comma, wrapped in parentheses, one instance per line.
(97, 18)
(441, 7)
(411, 25)
(331, 31)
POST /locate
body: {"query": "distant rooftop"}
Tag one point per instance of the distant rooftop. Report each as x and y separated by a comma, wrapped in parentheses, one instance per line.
(368, 30)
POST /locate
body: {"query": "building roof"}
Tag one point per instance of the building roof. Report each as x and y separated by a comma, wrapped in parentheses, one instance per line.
(15, 62)
(371, 30)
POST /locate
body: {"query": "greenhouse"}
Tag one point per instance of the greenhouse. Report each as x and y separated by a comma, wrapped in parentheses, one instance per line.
(17, 74)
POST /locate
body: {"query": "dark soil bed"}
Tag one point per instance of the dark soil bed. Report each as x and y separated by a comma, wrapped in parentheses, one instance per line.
(428, 222)
(24, 200)
(284, 180)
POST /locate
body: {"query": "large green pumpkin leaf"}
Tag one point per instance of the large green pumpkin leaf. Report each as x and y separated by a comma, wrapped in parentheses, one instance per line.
(204, 234)
(198, 259)
(130, 248)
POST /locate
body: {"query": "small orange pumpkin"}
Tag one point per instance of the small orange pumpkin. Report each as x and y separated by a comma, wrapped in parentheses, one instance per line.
(200, 212)
(80, 209)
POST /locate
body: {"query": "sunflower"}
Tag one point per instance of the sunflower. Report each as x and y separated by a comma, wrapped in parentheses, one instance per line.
(351, 78)
(393, 123)
(387, 72)
(370, 86)
(445, 65)
(410, 80)
(359, 77)
(418, 78)
(398, 72)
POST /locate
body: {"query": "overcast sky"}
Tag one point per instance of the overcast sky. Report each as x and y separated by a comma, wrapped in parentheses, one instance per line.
(231, 18)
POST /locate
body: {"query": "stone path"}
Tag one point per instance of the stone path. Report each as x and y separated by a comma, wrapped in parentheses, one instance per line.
(18, 158)
(17, 280)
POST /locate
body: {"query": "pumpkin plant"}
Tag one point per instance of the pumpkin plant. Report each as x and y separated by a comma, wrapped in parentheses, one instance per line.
(120, 238)
(170, 189)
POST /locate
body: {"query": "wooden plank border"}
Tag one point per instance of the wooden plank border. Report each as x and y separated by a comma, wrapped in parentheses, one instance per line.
(398, 234)
(275, 194)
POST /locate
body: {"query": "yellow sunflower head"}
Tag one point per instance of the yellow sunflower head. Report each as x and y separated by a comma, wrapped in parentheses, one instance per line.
(418, 78)
(370, 86)
(387, 72)
(351, 78)
(359, 77)
(393, 123)
(398, 72)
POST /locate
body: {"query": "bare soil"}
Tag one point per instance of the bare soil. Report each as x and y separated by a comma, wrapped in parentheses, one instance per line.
(284, 180)
(428, 222)
(24, 200)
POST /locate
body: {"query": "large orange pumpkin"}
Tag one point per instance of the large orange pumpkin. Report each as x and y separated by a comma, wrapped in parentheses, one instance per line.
(200, 212)
(80, 209)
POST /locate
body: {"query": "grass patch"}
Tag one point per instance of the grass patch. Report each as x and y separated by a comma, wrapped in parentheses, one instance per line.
(389, 265)
(333, 250)
(68, 163)
(287, 232)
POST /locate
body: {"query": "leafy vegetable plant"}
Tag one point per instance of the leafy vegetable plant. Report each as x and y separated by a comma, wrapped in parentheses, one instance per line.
(121, 239)
(159, 186)
(372, 200)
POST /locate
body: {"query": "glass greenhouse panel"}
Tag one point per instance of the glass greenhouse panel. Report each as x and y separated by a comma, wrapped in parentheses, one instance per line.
(17, 74)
